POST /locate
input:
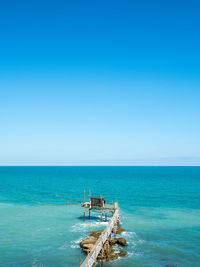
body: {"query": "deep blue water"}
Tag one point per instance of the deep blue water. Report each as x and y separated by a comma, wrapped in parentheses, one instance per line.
(160, 209)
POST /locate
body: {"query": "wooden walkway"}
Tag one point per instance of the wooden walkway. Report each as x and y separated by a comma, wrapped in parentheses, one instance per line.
(91, 258)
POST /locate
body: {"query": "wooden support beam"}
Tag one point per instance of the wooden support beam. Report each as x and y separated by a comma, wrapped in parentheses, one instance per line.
(87, 260)
(95, 261)
(101, 253)
(84, 207)
(114, 231)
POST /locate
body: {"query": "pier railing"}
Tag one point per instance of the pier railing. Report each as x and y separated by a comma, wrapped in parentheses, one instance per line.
(91, 258)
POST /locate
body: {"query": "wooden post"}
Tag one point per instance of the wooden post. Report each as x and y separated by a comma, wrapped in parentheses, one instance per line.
(79, 262)
(102, 248)
(119, 218)
(84, 207)
(105, 210)
(118, 223)
(115, 231)
(95, 261)
(107, 245)
(101, 253)
(87, 259)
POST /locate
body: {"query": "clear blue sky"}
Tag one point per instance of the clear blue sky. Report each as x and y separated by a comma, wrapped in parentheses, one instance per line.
(100, 82)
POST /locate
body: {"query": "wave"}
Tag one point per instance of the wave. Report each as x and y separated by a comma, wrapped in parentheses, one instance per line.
(37, 263)
(129, 234)
(80, 227)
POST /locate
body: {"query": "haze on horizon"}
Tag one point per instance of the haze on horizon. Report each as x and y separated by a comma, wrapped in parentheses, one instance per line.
(100, 83)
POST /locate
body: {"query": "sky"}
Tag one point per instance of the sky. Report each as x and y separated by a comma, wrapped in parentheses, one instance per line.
(100, 82)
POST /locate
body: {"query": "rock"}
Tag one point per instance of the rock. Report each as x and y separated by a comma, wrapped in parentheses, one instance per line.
(118, 241)
(108, 249)
(88, 247)
(89, 240)
(96, 233)
(108, 252)
(111, 257)
(120, 230)
(122, 241)
(122, 253)
(113, 241)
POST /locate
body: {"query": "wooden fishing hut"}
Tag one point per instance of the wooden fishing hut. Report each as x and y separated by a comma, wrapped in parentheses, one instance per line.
(97, 204)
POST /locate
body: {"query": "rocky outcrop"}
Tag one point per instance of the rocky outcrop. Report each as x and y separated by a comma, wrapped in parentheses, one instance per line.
(96, 234)
(88, 244)
(118, 241)
(90, 240)
(108, 252)
(120, 230)
(122, 253)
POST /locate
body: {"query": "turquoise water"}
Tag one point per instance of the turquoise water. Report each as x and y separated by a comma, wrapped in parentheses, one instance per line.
(160, 209)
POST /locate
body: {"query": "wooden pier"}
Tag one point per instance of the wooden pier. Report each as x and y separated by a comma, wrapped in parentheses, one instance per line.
(114, 222)
(97, 204)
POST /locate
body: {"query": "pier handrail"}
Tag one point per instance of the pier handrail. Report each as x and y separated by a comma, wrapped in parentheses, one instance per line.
(90, 259)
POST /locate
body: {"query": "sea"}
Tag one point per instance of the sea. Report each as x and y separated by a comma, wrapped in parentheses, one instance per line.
(160, 210)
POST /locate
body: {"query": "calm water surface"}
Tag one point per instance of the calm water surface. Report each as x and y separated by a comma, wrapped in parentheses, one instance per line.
(160, 208)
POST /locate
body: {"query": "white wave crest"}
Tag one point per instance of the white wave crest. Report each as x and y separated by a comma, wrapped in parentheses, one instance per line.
(81, 227)
(129, 234)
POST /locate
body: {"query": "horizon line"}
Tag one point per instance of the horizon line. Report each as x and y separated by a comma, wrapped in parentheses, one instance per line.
(99, 165)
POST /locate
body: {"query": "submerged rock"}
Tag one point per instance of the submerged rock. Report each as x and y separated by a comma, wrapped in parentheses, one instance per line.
(122, 253)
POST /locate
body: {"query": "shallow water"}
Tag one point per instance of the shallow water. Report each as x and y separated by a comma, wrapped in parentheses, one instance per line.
(160, 209)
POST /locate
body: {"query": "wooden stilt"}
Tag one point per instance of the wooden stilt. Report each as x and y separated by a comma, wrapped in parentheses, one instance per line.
(107, 245)
(89, 213)
(102, 253)
(95, 261)
(87, 260)
(115, 231)
(84, 207)
(79, 262)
